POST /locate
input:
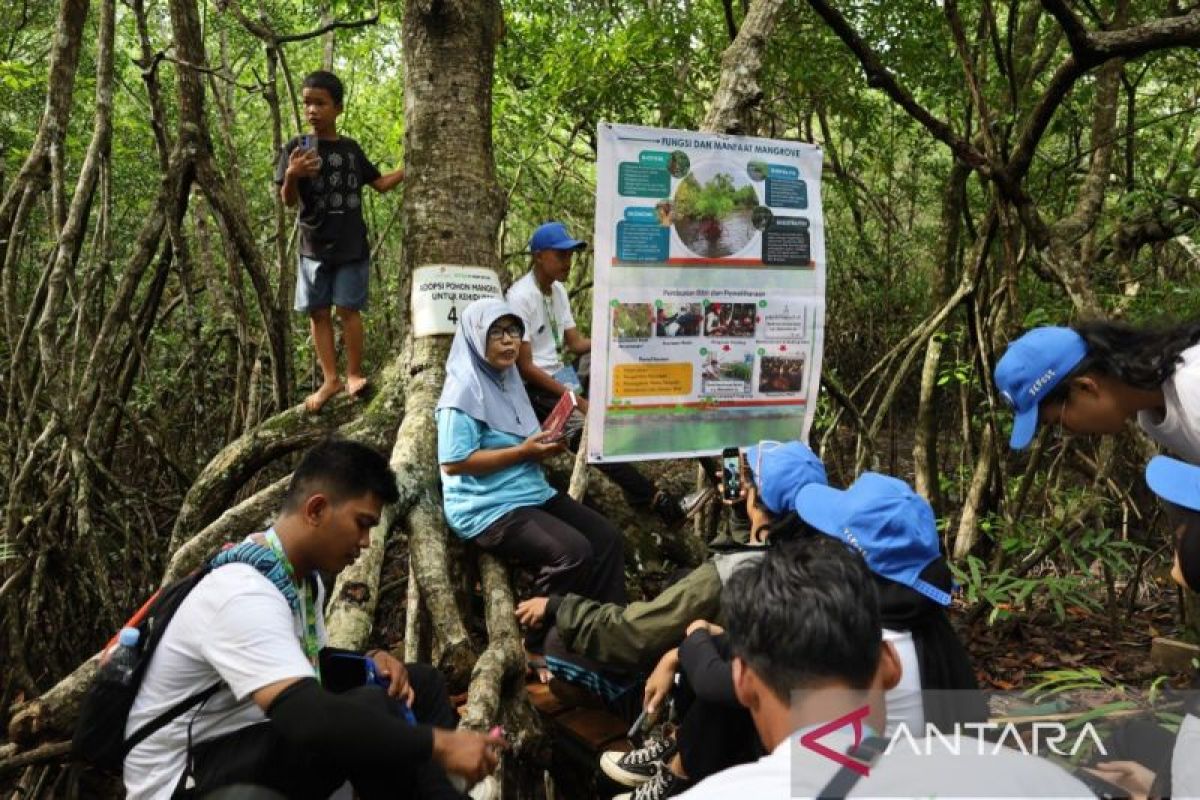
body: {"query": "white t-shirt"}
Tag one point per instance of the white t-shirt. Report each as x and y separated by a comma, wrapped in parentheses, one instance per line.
(1179, 428)
(1185, 759)
(527, 300)
(236, 627)
(904, 702)
(941, 774)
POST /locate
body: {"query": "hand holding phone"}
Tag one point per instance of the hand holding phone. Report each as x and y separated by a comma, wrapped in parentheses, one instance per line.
(731, 474)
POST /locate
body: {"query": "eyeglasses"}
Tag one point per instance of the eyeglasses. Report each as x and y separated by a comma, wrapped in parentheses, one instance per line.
(498, 332)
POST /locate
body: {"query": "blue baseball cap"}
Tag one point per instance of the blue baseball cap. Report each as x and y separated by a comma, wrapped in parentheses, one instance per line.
(780, 471)
(1175, 481)
(1178, 483)
(885, 520)
(553, 236)
(1030, 369)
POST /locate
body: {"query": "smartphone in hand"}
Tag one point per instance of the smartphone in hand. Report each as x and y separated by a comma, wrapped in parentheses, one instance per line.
(731, 473)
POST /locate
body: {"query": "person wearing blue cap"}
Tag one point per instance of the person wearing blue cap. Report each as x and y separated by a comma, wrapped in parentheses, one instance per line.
(895, 531)
(1144, 758)
(811, 669)
(633, 637)
(541, 299)
(1094, 377)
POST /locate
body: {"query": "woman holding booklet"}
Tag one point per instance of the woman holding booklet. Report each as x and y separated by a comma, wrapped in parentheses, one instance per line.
(494, 490)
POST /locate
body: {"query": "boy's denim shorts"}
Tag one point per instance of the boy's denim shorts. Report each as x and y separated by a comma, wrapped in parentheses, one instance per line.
(343, 285)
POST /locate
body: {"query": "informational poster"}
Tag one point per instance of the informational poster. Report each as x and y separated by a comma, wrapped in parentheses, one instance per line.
(709, 293)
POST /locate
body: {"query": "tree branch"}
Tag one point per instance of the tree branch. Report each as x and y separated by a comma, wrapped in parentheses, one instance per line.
(880, 77)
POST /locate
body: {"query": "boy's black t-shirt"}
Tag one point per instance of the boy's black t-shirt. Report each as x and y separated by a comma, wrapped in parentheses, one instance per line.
(332, 229)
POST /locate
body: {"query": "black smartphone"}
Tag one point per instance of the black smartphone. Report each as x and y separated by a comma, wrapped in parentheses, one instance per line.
(731, 472)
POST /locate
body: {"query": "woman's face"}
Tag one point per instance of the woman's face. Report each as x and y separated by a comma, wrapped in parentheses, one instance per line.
(503, 342)
(1091, 406)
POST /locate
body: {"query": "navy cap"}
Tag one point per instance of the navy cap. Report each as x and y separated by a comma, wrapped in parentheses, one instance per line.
(781, 471)
(885, 520)
(1030, 369)
(553, 236)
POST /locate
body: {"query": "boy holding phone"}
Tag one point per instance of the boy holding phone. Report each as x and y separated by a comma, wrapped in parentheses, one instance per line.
(325, 172)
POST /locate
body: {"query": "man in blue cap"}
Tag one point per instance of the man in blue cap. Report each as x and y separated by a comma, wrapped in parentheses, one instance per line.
(541, 299)
(1143, 757)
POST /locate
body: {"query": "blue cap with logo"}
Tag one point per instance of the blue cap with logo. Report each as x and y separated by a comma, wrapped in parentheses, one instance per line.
(781, 471)
(885, 520)
(553, 236)
(1030, 369)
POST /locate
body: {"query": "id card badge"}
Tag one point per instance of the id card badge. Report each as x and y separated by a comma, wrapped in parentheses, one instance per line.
(569, 378)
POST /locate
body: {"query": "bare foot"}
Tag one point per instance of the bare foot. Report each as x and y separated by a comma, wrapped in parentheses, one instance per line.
(355, 385)
(318, 398)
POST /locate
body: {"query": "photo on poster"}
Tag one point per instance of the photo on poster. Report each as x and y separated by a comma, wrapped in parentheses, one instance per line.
(726, 372)
(679, 320)
(786, 320)
(712, 210)
(632, 321)
(781, 374)
(736, 320)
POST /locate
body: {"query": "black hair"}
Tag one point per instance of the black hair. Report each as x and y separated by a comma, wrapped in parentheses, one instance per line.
(807, 610)
(517, 317)
(322, 79)
(1142, 357)
(342, 470)
(1185, 525)
(790, 527)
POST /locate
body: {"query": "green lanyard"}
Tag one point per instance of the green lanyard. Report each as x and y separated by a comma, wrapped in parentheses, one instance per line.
(553, 322)
(310, 641)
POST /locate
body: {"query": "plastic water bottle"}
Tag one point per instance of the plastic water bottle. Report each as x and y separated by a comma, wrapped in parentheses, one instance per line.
(124, 658)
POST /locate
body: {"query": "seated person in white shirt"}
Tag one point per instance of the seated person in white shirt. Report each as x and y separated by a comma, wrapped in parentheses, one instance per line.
(272, 723)
(541, 300)
(834, 664)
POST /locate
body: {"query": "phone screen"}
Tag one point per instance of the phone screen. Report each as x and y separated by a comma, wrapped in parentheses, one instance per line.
(731, 472)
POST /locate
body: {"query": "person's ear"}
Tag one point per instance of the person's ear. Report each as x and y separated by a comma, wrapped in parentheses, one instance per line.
(890, 669)
(1086, 384)
(315, 507)
(744, 688)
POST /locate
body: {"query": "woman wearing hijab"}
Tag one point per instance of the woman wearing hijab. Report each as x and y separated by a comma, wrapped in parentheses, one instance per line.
(490, 448)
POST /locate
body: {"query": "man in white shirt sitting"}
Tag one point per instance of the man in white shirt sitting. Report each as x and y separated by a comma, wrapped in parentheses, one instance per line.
(259, 632)
(541, 299)
(804, 628)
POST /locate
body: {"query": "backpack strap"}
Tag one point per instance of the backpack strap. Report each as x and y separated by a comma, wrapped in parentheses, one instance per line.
(144, 732)
(845, 779)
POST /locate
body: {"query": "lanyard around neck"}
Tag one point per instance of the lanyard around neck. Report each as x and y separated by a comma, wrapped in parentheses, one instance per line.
(548, 305)
(309, 639)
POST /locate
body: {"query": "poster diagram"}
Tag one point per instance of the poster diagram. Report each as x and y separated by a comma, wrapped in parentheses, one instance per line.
(709, 309)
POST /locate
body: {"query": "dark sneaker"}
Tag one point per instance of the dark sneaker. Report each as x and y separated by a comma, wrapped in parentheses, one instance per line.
(691, 503)
(668, 508)
(637, 766)
(664, 784)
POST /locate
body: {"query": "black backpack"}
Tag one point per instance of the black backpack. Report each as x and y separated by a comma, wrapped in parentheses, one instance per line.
(99, 737)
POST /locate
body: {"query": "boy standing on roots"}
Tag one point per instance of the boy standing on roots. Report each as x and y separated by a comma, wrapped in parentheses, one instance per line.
(326, 177)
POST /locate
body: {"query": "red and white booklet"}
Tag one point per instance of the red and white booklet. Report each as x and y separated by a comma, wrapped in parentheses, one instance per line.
(564, 420)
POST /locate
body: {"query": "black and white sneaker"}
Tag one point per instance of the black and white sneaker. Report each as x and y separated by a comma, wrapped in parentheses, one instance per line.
(664, 784)
(637, 766)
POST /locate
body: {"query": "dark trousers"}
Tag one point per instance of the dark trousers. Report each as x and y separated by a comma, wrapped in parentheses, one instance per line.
(573, 549)
(260, 756)
(713, 736)
(636, 486)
